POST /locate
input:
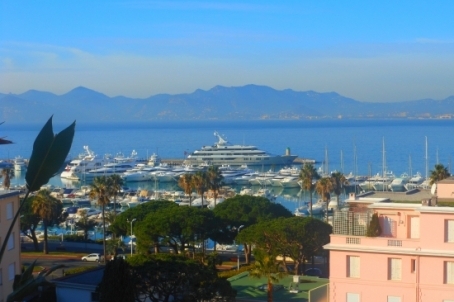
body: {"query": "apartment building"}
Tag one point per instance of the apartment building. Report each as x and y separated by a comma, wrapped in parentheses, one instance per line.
(10, 264)
(411, 261)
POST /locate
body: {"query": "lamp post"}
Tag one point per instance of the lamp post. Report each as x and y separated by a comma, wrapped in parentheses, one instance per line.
(130, 242)
(238, 250)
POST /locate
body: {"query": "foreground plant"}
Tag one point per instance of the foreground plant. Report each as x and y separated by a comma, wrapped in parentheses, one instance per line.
(48, 155)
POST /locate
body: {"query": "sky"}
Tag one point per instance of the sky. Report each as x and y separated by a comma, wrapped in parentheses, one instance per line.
(374, 51)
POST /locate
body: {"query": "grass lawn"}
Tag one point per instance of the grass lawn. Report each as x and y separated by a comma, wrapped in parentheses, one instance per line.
(251, 288)
(52, 253)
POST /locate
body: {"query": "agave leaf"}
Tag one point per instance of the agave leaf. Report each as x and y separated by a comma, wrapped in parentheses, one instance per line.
(48, 155)
(22, 291)
(47, 272)
(25, 276)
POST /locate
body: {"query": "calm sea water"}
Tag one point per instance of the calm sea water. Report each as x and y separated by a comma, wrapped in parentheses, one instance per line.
(404, 141)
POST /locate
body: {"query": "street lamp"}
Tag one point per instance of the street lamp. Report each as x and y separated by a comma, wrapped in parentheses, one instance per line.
(238, 250)
(130, 242)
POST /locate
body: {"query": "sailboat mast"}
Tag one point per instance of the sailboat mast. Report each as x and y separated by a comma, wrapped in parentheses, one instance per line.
(384, 158)
(342, 162)
(427, 161)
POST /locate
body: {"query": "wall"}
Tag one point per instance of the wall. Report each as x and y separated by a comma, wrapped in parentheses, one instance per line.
(11, 256)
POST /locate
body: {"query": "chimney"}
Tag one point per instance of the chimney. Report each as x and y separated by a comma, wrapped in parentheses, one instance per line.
(352, 196)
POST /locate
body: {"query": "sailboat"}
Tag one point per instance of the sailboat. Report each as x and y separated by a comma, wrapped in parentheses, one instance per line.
(382, 183)
(426, 183)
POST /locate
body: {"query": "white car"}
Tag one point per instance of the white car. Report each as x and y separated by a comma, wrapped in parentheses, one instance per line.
(95, 257)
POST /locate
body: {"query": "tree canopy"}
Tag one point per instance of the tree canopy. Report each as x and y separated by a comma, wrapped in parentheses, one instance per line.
(169, 277)
(296, 237)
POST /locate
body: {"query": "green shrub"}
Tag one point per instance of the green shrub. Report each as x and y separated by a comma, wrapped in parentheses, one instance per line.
(80, 269)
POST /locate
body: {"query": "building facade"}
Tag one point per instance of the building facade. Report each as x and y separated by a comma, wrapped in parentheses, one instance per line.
(412, 259)
(445, 190)
(10, 264)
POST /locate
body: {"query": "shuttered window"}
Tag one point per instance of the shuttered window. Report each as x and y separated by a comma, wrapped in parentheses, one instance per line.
(449, 272)
(353, 266)
(414, 227)
(449, 230)
(394, 269)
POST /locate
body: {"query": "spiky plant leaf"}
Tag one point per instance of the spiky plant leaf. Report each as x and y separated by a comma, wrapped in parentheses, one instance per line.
(48, 155)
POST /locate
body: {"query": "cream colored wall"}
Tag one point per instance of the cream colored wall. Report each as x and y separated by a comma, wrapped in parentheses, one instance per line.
(13, 255)
(445, 191)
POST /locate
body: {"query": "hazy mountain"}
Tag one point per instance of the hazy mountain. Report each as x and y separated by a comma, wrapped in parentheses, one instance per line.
(223, 103)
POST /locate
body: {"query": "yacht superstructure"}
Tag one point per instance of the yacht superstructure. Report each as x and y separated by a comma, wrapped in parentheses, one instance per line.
(224, 153)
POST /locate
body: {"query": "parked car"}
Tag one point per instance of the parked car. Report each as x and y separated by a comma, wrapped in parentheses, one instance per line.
(314, 272)
(95, 257)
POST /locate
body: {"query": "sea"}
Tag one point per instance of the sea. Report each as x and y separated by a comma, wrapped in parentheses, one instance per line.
(363, 147)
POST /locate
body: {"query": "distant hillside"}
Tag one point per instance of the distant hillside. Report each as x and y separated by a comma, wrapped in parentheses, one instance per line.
(250, 102)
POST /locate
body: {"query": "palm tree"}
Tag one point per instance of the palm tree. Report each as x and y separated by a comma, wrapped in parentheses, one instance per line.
(185, 182)
(439, 173)
(338, 181)
(214, 178)
(324, 187)
(115, 184)
(6, 173)
(267, 266)
(307, 176)
(100, 191)
(85, 224)
(46, 207)
(199, 181)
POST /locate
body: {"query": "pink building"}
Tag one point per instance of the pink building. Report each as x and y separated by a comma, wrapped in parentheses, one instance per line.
(412, 261)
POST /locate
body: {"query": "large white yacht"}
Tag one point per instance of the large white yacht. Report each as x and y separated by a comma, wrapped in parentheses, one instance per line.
(224, 153)
(84, 163)
(120, 165)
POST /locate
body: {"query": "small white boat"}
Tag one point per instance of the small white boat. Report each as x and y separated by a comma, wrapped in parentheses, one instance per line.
(318, 207)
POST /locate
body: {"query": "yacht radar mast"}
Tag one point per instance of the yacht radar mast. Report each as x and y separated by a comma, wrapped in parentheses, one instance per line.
(222, 141)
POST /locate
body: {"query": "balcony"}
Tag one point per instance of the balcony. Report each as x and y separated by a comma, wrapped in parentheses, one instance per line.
(375, 242)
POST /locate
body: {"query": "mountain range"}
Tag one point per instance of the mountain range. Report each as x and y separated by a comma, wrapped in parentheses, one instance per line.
(250, 102)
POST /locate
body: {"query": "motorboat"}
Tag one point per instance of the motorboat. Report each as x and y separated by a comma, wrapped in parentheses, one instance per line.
(414, 182)
(20, 164)
(382, 183)
(83, 164)
(120, 165)
(224, 153)
(140, 172)
(398, 183)
(165, 176)
(290, 182)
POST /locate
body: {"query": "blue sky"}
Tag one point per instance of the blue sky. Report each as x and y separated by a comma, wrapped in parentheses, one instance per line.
(376, 51)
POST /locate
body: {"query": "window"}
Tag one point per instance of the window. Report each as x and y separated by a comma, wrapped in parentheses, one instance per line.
(353, 266)
(353, 297)
(449, 272)
(449, 230)
(11, 241)
(414, 227)
(11, 271)
(1, 277)
(394, 269)
(394, 299)
(9, 210)
(413, 265)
